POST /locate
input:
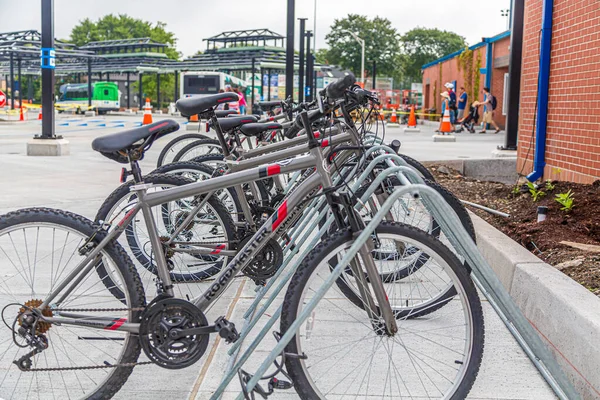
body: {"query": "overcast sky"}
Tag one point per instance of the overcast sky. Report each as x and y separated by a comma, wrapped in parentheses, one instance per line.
(194, 20)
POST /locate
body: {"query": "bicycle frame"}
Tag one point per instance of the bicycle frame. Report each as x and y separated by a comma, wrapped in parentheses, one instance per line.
(285, 215)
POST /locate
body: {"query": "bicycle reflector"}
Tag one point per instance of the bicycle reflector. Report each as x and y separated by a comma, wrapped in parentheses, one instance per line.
(124, 175)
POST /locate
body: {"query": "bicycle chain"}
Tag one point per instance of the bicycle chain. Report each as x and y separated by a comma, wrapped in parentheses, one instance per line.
(88, 367)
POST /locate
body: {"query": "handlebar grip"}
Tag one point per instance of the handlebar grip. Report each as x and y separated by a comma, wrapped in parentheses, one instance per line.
(395, 145)
(337, 89)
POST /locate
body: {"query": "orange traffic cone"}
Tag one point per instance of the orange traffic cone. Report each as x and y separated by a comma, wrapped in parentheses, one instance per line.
(446, 125)
(393, 119)
(412, 121)
(147, 113)
(21, 117)
(40, 114)
(412, 118)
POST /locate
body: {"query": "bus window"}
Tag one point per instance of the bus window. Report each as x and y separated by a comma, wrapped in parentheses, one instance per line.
(201, 84)
(75, 94)
(106, 92)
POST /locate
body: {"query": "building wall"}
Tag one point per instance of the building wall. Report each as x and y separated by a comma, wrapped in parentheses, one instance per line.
(450, 73)
(573, 137)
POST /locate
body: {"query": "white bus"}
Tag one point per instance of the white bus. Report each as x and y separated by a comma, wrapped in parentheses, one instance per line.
(199, 83)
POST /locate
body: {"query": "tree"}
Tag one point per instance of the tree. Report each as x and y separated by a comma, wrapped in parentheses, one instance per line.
(322, 56)
(381, 45)
(421, 46)
(111, 27)
(122, 26)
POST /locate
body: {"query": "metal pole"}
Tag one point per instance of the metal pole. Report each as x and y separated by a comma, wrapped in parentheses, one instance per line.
(514, 76)
(289, 52)
(141, 93)
(374, 73)
(362, 62)
(252, 78)
(89, 81)
(20, 83)
(308, 65)
(12, 82)
(301, 61)
(158, 90)
(128, 92)
(48, 65)
(29, 87)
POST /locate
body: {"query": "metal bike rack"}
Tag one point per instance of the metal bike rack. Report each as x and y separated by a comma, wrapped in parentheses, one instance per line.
(482, 274)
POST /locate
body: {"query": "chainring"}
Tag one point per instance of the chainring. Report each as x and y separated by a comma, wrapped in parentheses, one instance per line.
(159, 319)
(264, 264)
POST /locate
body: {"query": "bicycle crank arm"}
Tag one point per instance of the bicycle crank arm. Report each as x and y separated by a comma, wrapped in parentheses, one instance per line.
(224, 328)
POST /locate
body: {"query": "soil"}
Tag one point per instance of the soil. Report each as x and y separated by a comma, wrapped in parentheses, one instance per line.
(581, 224)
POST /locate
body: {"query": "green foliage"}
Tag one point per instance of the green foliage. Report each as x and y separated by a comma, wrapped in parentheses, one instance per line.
(322, 56)
(516, 190)
(114, 27)
(536, 193)
(122, 26)
(421, 46)
(549, 186)
(565, 200)
(381, 45)
(465, 63)
(477, 77)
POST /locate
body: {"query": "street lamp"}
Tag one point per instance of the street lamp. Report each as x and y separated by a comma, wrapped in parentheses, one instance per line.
(362, 63)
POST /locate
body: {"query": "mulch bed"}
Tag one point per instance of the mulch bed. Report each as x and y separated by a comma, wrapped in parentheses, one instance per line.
(580, 225)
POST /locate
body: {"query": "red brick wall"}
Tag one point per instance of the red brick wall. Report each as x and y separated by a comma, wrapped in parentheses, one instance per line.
(450, 73)
(573, 137)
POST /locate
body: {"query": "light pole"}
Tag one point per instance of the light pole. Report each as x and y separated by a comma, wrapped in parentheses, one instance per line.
(362, 62)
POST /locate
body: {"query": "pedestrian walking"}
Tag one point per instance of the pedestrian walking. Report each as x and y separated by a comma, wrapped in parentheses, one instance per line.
(489, 105)
(452, 102)
(462, 104)
(445, 106)
(243, 104)
(233, 105)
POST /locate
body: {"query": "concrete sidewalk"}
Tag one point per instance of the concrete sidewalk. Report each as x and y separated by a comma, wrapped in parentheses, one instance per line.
(80, 183)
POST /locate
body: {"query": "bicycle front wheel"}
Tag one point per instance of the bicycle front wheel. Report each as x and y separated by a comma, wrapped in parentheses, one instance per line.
(435, 356)
(39, 248)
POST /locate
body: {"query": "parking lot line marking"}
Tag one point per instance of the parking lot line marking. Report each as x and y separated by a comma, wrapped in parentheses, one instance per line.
(206, 365)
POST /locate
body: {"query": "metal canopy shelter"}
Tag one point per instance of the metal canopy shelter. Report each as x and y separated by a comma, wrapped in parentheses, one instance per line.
(244, 38)
(23, 48)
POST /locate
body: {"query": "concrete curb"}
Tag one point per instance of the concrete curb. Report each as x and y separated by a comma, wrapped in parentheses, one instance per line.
(562, 311)
(503, 170)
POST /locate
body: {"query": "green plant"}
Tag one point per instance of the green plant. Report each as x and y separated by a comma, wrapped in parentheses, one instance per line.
(565, 200)
(516, 190)
(549, 186)
(536, 193)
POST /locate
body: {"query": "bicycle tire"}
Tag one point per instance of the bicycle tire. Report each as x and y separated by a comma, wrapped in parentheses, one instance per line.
(294, 298)
(212, 143)
(165, 151)
(56, 219)
(123, 191)
(204, 169)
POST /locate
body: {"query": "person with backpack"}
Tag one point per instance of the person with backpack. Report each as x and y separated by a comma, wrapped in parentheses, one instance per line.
(453, 110)
(489, 105)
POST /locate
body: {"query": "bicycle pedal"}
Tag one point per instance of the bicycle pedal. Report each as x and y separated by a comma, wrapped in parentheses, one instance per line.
(226, 330)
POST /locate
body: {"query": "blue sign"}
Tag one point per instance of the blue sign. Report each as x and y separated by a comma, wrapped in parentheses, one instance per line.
(48, 58)
(307, 91)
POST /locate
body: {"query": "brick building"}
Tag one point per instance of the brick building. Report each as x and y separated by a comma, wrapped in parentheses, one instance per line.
(572, 150)
(490, 53)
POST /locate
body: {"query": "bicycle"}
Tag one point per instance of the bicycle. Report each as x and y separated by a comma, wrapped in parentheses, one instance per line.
(173, 333)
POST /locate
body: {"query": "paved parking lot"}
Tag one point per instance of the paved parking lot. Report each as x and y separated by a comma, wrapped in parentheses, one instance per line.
(81, 181)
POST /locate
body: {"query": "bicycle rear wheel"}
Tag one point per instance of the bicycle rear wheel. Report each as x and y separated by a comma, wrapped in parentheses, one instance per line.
(39, 248)
(433, 357)
(173, 147)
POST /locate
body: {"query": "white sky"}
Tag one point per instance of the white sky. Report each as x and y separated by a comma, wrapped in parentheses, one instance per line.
(194, 20)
